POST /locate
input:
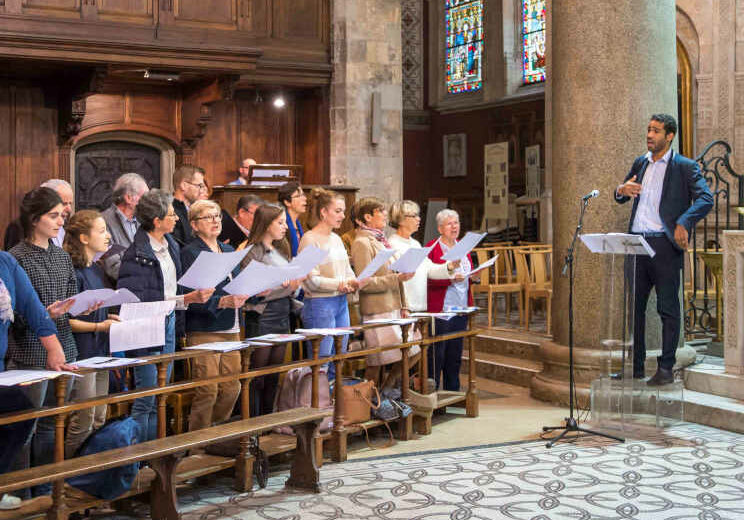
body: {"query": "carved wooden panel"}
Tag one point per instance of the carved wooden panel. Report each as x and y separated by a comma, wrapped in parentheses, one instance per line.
(98, 165)
(103, 109)
(135, 11)
(300, 19)
(8, 198)
(201, 13)
(266, 133)
(159, 111)
(255, 17)
(57, 8)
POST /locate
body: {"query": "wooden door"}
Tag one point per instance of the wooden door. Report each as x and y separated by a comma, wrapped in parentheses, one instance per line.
(98, 165)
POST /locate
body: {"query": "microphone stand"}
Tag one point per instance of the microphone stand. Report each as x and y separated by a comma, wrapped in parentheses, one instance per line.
(572, 424)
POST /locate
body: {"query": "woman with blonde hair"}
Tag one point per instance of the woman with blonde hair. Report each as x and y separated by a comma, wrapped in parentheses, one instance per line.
(326, 287)
(218, 319)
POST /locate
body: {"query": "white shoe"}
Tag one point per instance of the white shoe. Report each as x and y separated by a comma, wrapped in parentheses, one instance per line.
(10, 502)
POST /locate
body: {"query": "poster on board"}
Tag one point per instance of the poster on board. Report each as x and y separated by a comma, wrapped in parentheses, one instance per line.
(496, 183)
(455, 156)
(532, 158)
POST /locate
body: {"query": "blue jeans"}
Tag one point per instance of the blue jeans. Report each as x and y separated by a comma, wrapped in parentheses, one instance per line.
(327, 313)
(144, 409)
(446, 358)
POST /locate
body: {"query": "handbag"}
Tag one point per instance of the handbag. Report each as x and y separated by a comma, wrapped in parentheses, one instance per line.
(358, 396)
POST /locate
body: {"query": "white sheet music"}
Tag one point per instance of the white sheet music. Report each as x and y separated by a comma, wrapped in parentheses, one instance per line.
(257, 278)
(377, 262)
(411, 260)
(107, 362)
(135, 311)
(137, 333)
(308, 259)
(86, 299)
(17, 377)
(484, 265)
(617, 244)
(209, 269)
(220, 346)
(325, 332)
(464, 246)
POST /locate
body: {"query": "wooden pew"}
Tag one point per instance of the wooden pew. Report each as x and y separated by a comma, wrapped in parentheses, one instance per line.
(165, 454)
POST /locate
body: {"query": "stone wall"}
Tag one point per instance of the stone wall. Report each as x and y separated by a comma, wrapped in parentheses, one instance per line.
(367, 59)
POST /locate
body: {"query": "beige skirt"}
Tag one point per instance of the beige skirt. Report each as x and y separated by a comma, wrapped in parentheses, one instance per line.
(383, 337)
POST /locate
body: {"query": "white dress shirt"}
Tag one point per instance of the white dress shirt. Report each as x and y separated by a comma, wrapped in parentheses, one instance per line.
(647, 217)
(170, 275)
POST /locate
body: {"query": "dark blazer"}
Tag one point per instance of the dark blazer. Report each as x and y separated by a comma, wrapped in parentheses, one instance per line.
(685, 197)
(206, 317)
(182, 232)
(231, 233)
(140, 272)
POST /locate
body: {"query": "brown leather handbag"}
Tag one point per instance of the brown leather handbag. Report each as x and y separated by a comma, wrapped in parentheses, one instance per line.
(358, 401)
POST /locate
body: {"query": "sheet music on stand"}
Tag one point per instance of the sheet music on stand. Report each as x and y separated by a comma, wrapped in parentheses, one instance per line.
(617, 244)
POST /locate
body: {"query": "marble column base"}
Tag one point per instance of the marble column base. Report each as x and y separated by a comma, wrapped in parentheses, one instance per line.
(551, 384)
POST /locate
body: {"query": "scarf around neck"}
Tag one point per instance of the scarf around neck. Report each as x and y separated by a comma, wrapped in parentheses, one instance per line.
(378, 235)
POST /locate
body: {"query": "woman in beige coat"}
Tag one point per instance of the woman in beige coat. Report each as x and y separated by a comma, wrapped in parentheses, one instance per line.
(382, 295)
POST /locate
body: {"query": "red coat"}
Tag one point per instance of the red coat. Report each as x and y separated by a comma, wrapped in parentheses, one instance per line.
(437, 289)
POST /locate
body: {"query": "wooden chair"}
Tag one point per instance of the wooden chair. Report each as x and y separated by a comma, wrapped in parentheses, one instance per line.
(500, 282)
(533, 273)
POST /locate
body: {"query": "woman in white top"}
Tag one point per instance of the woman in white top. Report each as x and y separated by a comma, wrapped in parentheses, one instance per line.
(405, 218)
(327, 285)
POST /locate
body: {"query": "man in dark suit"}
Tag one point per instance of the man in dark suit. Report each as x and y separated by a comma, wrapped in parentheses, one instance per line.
(188, 185)
(669, 197)
(236, 228)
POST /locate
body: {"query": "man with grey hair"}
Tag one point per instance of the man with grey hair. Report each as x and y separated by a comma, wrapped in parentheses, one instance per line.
(236, 228)
(14, 231)
(120, 219)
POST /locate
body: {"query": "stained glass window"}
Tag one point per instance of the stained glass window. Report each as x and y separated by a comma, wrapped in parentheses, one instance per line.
(464, 47)
(533, 44)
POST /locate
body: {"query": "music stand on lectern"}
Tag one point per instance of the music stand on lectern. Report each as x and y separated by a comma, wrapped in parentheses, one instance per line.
(621, 274)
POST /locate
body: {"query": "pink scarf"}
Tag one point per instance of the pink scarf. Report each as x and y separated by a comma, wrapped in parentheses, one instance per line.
(378, 235)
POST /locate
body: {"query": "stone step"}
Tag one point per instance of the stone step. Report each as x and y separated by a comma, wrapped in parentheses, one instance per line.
(506, 369)
(712, 410)
(712, 379)
(515, 344)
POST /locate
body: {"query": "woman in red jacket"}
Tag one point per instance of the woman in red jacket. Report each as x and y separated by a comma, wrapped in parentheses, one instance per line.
(444, 295)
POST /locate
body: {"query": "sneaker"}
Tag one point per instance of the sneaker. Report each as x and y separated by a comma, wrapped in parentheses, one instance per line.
(10, 502)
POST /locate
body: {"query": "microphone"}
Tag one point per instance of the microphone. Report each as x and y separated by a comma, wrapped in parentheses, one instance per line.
(592, 194)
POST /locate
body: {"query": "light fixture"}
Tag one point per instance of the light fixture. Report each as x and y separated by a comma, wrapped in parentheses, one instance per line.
(161, 75)
(279, 101)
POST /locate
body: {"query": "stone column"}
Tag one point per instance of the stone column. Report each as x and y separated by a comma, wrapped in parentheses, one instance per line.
(367, 59)
(613, 64)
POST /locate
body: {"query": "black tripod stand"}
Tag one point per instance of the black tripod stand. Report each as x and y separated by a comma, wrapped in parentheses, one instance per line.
(572, 424)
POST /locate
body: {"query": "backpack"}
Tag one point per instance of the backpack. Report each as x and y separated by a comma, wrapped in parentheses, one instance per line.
(110, 483)
(297, 391)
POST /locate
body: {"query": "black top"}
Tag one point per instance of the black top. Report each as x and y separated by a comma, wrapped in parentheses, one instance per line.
(231, 232)
(182, 232)
(91, 344)
(13, 234)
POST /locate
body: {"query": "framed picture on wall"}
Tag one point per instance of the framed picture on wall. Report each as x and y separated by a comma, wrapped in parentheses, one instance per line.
(455, 157)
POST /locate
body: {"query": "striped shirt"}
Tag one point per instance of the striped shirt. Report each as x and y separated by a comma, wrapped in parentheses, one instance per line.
(53, 277)
(647, 217)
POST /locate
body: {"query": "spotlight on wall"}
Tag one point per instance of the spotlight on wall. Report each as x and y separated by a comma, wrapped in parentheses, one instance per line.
(279, 101)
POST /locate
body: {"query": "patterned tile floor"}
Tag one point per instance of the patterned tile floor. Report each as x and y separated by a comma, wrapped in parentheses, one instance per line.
(685, 472)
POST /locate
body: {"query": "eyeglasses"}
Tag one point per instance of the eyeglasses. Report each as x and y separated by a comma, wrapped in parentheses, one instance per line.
(172, 215)
(213, 218)
(412, 215)
(297, 195)
(201, 186)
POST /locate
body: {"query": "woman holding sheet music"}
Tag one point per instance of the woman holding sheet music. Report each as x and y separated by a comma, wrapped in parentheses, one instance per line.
(328, 284)
(447, 294)
(269, 246)
(382, 297)
(85, 237)
(150, 269)
(216, 320)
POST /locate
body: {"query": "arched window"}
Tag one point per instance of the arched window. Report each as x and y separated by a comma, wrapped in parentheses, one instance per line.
(533, 40)
(464, 45)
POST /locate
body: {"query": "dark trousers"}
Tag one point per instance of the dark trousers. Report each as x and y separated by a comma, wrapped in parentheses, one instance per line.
(445, 357)
(273, 320)
(662, 272)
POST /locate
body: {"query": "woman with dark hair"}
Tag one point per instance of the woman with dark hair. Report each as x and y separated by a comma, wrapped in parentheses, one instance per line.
(382, 296)
(86, 236)
(53, 277)
(269, 246)
(150, 268)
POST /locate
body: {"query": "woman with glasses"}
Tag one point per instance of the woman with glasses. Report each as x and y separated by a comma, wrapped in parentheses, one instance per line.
(448, 294)
(150, 268)
(216, 320)
(268, 242)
